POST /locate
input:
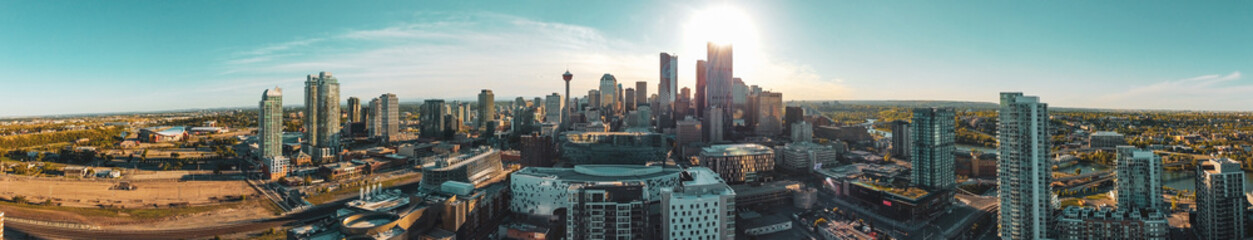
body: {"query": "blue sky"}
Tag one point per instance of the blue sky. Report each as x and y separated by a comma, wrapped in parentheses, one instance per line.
(63, 57)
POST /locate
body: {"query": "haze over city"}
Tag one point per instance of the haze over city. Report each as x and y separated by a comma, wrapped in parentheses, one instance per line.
(122, 56)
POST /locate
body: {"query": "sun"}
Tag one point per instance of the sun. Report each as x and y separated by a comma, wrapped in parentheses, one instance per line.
(720, 25)
(723, 24)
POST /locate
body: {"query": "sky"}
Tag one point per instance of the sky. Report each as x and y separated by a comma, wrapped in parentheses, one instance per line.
(71, 57)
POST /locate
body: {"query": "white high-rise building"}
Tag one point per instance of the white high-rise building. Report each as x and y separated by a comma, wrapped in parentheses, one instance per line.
(270, 123)
(1139, 179)
(1023, 167)
(700, 208)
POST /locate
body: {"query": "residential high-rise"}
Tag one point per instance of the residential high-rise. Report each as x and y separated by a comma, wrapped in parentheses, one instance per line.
(322, 114)
(608, 92)
(932, 139)
(901, 140)
(554, 109)
(389, 118)
(592, 199)
(720, 83)
(1138, 179)
(769, 114)
(1220, 200)
(270, 123)
(702, 207)
(432, 119)
(487, 108)
(354, 109)
(683, 104)
(1024, 167)
(641, 92)
(701, 83)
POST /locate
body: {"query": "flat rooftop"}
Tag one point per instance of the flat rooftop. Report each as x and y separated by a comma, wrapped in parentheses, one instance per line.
(600, 173)
(744, 149)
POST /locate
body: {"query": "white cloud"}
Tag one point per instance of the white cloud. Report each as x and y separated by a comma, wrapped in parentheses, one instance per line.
(1215, 91)
(454, 57)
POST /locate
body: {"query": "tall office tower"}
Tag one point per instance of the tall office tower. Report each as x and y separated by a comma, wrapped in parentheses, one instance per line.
(270, 123)
(432, 119)
(618, 104)
(487, 108)
(713, 125)
(390, 117)
(629, 103)
(752, 107)
(1139, 179)
(769, 114)
(901, 145)
(608, 88)
(354, 109)
(739, 102)
(519, 102)
(802, 132)
(932, 140)
(641, 92)
(702, 207)
(1220, 200)
(699, 101)
(1023, 167)
(667, 88)
(593, 99)
(374, 120)
(552, 105)
(720, 83)
(322, 114)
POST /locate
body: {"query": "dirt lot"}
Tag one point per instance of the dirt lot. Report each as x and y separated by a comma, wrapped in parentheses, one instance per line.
(94, 193)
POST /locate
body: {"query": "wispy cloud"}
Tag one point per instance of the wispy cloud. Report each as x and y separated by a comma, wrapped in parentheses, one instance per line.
(1216, 91)
(450, 56)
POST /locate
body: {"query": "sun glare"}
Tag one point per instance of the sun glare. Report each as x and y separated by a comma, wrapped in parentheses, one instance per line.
(724, 24)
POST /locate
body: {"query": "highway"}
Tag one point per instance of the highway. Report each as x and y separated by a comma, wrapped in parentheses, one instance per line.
(316, 212)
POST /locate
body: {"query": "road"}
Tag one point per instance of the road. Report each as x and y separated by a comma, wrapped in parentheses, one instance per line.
(315, 212)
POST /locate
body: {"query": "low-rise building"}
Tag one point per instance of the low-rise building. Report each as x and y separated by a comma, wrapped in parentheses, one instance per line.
(1077, 223)
(738, 163)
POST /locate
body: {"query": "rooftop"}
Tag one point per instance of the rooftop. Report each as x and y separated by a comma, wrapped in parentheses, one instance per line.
(599, 173)
(735, 150)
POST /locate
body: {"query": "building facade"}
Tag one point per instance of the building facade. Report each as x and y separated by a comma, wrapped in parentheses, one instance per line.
(901, 140)
(1106, 140)
(477, 167)
(719, 83)
(1139, 179)
(389, 118)
(806, 156)
(932, 142)
(769, 114)
(1079, 223)
(737, 163)
(630, 148)
(702, 207)
(322, 115)
(1024, 167)
(487, 109)
(1220, 200)
(270, 123)
(432, 118)
(354, 110)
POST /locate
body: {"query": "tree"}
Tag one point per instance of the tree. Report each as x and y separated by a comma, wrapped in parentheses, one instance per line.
(1078, 171)
(174, 155)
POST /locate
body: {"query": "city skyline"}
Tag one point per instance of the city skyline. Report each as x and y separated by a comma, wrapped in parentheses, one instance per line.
(1143, 56)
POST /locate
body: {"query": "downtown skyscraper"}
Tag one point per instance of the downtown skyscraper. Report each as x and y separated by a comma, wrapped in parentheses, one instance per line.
(933, 137)
(1023, 167)
(487, 108)
(608, 93)
(322, 115)
(270, 123)
(719, 92)
(666, 90)
(354, 109)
